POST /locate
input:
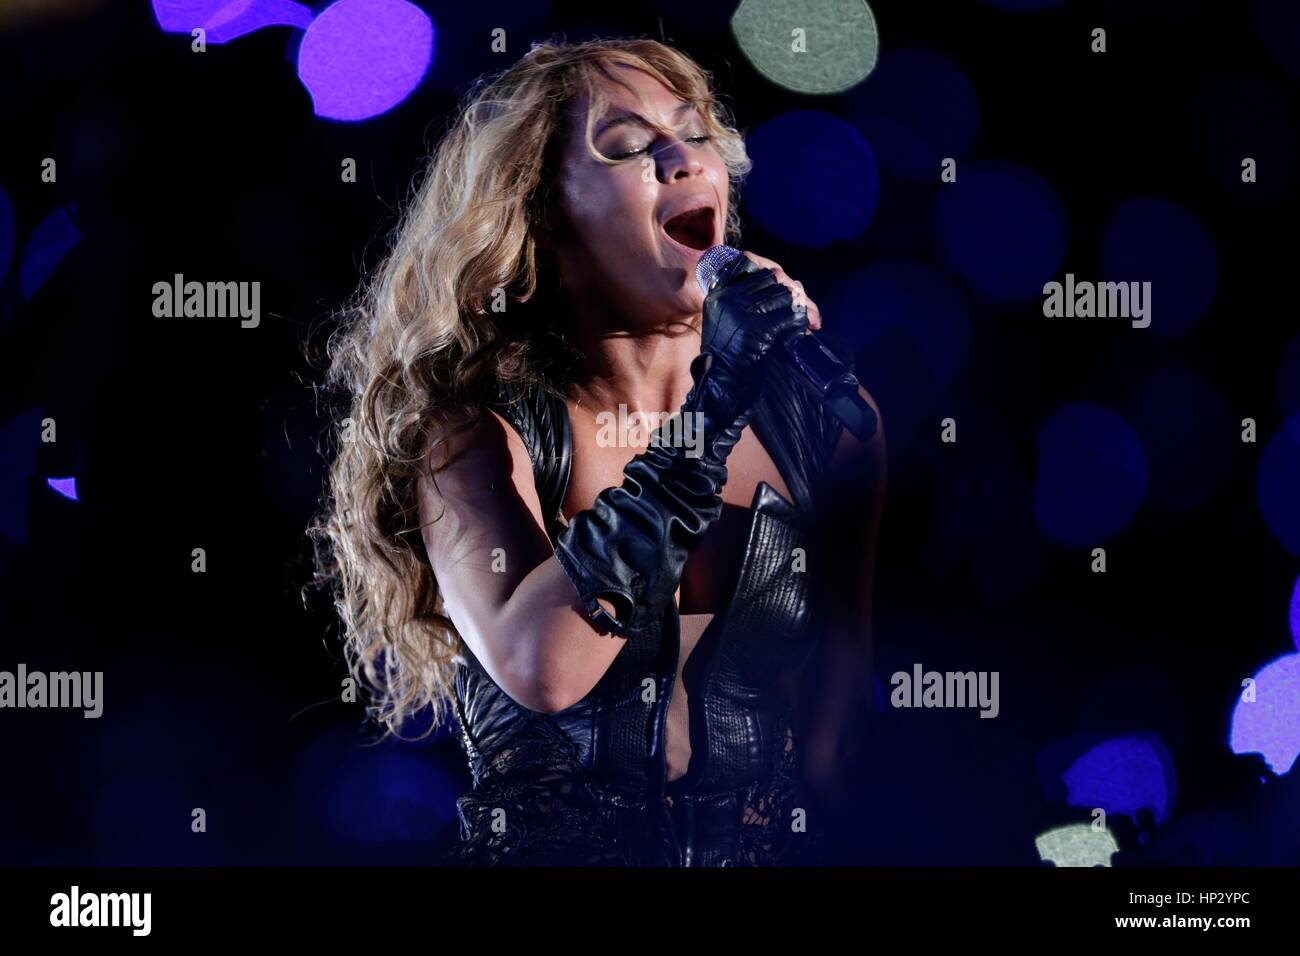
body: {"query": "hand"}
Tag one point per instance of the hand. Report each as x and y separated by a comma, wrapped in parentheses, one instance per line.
(748, 312)
(796, 290)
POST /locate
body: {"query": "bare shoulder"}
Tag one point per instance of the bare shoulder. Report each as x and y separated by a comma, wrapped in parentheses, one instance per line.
(468, 453)
(480, 470)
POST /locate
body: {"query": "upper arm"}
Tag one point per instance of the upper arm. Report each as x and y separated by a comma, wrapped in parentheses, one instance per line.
(502, 586)
(481, 524)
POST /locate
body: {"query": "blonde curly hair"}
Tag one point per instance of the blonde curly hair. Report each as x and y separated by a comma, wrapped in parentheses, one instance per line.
(418, 350)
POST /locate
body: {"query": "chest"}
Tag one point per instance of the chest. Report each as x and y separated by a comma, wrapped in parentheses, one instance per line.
(710, 575)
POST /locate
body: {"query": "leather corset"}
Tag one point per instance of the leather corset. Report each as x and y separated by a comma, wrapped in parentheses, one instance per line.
(609, 748)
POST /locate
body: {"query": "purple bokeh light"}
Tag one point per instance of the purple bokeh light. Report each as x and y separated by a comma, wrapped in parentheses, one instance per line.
(64, 486)
(360, 58)
(1295, 614)
(182, 16)
(1123, 775)
(224, 20)
(1270, 724)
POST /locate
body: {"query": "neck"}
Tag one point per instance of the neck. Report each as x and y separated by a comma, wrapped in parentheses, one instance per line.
(645, 369)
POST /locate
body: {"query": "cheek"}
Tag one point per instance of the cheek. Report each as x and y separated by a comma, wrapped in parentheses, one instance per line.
(615, 212)
(716, 172)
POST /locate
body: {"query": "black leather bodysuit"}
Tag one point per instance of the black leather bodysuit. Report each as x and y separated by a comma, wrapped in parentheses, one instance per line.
(587, 786)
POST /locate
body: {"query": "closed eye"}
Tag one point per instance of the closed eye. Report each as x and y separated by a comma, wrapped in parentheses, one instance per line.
(694, 140)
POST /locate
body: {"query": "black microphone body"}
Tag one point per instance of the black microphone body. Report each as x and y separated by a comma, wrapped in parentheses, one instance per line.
(821, 372)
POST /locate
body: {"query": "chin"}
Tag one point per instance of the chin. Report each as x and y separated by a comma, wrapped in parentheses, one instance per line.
(689, 302)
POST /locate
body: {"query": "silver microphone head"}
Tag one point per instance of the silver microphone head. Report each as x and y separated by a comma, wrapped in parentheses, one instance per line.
(711, 262)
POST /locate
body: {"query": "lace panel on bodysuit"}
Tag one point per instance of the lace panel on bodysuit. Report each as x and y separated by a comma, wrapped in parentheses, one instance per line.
(533, 806)
(765, 832)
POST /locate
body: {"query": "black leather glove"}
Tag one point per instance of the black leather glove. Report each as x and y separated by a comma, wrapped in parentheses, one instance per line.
(630, 547)
(745, 316)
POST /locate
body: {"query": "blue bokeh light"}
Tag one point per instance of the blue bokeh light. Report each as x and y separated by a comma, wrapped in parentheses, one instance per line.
(916, 108)
(53, 238)
(1277, 484)
(1157, 241)
(1188, 436)
(914, 331)
(1003, 228)
(1092, 475)
(814, 181)
(390, 794)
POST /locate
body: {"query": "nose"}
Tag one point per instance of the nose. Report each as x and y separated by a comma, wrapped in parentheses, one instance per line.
(676, 160)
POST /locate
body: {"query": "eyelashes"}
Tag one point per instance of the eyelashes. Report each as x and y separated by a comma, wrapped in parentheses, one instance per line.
(695, 140)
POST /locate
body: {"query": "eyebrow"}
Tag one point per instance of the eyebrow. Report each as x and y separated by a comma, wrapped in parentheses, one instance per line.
(635, 119)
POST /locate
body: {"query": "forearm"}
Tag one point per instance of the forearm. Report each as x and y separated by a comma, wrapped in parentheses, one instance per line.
(627, 552)
(549, 646)
(615, 567)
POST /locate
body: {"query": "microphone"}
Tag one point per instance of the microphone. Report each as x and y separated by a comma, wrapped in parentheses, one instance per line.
(821, 373)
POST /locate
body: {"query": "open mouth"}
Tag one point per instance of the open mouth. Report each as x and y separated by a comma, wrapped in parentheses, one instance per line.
(693, 229)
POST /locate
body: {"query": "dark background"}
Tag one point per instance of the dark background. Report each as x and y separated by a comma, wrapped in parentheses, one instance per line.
(221, 689)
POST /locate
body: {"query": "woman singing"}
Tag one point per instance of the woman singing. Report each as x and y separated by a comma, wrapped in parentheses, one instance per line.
(619, 618)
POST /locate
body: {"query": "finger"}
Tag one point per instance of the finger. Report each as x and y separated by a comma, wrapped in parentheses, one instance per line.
(797, 289)
(738, 272)
(794, 285)
(741, 263)
(780, 273)
(756, 278)
(764, 262)
(772, 297)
